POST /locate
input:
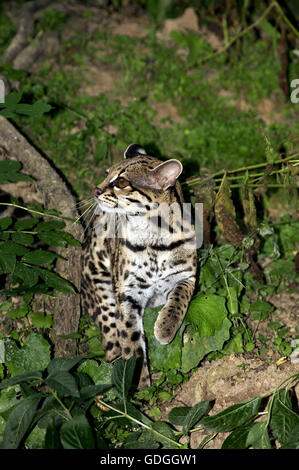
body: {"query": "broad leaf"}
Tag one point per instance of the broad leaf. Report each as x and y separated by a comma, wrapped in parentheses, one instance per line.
(283, 419)
(63, 383)
(33, 355)
(122, 376)
(178, 415)
(195, 347)
(39, 257)
(93, 390)
(293, 442)
(77, 434)
(164, 430)
(63, 363)
(49, 225)
(40, 320)
(162, 357)
(28, 274)
(5, 222)
(7, 262)
(195, 414)
(252, 434)
(55, 281)
(233, 416)
(20, 378)
(19, 421)
(22, 238)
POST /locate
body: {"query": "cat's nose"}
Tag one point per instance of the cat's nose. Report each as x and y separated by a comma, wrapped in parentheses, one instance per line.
(98, 191)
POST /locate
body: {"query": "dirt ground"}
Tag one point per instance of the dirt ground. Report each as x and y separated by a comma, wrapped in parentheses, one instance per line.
(231, 379)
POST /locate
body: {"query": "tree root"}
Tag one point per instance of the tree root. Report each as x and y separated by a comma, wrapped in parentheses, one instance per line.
(55, 194)
(25, 30)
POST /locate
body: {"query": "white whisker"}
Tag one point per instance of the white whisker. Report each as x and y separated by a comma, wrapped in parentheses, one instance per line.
(82, 215)
(89, 222)
(84, 203)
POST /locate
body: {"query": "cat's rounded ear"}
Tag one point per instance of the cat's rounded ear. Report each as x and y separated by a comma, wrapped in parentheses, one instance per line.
(162, 177)
(167, 173)
(134, 150)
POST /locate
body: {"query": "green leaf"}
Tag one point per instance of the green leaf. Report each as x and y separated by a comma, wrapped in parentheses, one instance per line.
(34, 355)
(39, 257)
(258, 436)
(63, 383)
(195, 414)
(26, 224)
(11, 177)
(11, 247)
(19, 421)
(36, 110)
(19, 312)
(232, 300)
(122, 376)
(283, 419)
(7, 262)
(178, 415)
(164, 429)
(100, 374)
(13, 98)
(52, 437)
(162, 357)
(77, 434)
(237, 438)
(8, 166)
(207, 313)
(40, 320)
(90, 391)
(261, 306)
(233, 416)
(63, 363)
(252, 434)
(100, 152)
(293, 442)
(52, 238)
(195, 346)
(49, 225)
(20, 378)
(5, 222)
(8, 401)
(55, 281)
(28, 274)
(22, 238)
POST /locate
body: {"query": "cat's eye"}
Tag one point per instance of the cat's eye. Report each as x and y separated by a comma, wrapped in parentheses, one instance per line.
(121, 182)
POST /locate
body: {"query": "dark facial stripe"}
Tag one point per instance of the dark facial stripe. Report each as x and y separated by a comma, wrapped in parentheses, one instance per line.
(148, 198)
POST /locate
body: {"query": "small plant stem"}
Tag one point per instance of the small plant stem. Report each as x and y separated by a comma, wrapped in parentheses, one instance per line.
(288, 186)
(285, 18)
(228, 44)
(254, 175)
(67, 411)
(238, 170)
(239, 35)
(125, 415)
(34, 211)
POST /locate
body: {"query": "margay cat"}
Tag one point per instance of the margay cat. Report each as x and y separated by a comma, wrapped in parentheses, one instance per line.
(143, 266)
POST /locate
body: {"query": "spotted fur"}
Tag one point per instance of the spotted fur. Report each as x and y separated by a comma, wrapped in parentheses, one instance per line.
(140, 267)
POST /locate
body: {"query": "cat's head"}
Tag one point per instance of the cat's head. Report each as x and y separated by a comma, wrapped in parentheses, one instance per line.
(138, 181)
